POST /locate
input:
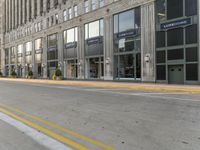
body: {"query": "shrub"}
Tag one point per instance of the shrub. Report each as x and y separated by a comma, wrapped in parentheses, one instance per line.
(30, 73)
(58, 73)
(13, 74)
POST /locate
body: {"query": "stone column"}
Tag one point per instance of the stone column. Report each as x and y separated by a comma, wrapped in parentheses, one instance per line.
(108, 47)
(10, 14)
(44, 57)
(38, 7)
(7, 16)
(60, 50)
(20, 11)
(16, 67)
(33, 58)
(3, 60)
(9, 61)
(148, 42)
(13, 14)
(81, 52)
(23, 11)
(24, 61)
(16, 12)
(33, 8)
(28, 6)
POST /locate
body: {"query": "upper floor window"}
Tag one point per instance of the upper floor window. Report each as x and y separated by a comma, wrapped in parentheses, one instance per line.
(52, 40)
(52, 20)
(56, 18)
(38, 44)
(86, 6)
(65, 15)
(75, 11)
(101, 3)
(48, 5)
(93, 4)
(71, 35)
(55, 3)
(70, 13)
(94, 29)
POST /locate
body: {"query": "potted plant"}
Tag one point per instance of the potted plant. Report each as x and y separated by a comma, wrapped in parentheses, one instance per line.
(30, 74)
(1, 74)
(13, 74)
(57, 75)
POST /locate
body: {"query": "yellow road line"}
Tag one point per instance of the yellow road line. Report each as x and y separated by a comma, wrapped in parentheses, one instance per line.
(51, 124)
(45, 131)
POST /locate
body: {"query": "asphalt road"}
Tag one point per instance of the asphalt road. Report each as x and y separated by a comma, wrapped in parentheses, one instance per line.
(107, 118)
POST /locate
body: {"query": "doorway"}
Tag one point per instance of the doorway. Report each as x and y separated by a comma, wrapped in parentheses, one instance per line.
(176, 74)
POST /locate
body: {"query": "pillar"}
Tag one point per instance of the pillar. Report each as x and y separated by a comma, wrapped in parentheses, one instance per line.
(148, 42)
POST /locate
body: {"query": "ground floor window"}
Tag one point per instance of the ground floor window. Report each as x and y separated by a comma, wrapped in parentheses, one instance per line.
(19, 71)
(95, 68)
(128, 66)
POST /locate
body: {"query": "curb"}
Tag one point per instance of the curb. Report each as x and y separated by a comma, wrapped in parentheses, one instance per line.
(114, 85)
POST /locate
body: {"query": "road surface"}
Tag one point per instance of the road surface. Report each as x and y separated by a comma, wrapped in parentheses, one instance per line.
(42, 116)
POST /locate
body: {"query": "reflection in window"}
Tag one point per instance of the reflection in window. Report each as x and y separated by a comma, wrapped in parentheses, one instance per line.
(52, 40)
(38, 44)
(160, 10)
(28, 47)
(71, 35)
(20, 49)
(86, 6)
(126, 21)
(94, 29)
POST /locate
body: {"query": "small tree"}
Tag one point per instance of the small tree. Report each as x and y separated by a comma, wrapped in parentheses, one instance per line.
(13, 74)
(58, 72)
(30, 74)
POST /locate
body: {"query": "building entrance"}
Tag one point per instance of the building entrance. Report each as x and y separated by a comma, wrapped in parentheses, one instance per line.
(176, 74)
(95, 68)
(72, 68)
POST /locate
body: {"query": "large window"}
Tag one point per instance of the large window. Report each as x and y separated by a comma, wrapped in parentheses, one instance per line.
(160, 39)
(190, 7)
(191, 34)
(7, 56)
(28, 47)
(19, 54)
(38, 44)
(161, 10)
(70, 43)
(192, 72)
(94, 38)
(38, 50)
(52, 40)
(13, 54)
(174, 9)
(71, 35)
(94, 29)
(175, 37)
(127, 45)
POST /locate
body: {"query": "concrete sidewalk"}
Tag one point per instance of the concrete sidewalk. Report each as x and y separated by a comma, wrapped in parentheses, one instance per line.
(115, 85)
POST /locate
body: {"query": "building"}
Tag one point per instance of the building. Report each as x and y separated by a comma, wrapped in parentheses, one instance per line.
(132, 40)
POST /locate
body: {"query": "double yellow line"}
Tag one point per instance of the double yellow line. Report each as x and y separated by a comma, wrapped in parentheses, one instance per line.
(10, 111)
